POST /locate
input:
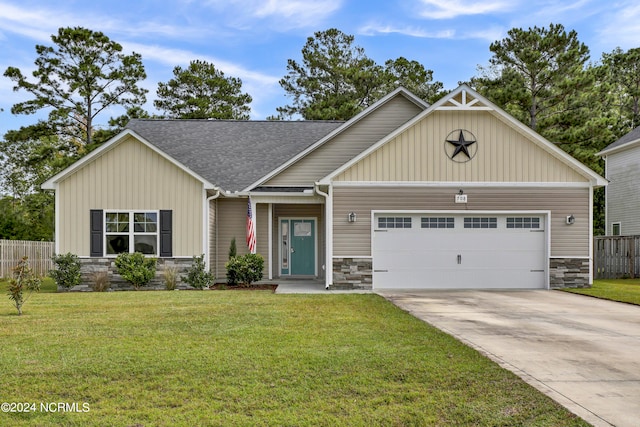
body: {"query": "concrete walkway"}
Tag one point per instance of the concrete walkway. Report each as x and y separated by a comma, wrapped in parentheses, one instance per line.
(582, 352)
(311, 287)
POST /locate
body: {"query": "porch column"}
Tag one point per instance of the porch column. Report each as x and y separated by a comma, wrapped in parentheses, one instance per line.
(270, 228)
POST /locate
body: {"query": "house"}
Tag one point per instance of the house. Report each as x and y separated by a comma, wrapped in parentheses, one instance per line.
(457, 194)
(622, 199)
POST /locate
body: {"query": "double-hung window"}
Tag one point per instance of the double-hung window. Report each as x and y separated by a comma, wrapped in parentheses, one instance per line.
(131, 231)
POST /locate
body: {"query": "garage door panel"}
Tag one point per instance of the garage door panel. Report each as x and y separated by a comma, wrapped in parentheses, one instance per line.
(462, 258)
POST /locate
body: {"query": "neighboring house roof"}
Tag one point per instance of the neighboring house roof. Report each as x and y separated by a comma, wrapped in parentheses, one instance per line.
(627, 141)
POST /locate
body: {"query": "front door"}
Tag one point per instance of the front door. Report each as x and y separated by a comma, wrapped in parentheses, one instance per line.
(298, 247)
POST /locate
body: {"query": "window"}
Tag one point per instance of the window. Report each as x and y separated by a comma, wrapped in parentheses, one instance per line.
(438, 222)
(524, 222)
(616, 229)
(394, 222)
(131, 232)
(480, 223)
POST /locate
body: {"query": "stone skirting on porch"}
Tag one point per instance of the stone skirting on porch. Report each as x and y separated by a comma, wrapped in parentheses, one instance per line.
(89, 267)
(569, 273)
(352, 273)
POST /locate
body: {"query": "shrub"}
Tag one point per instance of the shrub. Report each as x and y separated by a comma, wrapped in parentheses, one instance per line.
(170, 275)
(136, 269)
(232, 248)
(244, 269)
(67, 271)
(197, 275)
(100, 281)
(23, 280)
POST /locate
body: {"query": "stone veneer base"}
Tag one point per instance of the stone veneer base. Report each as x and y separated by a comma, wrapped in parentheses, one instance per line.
(357, 273)
(352, 273)
(569, 273)
(90, 266)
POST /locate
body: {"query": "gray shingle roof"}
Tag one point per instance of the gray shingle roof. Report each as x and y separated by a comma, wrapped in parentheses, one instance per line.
(232, 154)
(634, 135)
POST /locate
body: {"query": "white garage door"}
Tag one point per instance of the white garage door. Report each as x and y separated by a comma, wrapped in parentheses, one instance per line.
(459, 251)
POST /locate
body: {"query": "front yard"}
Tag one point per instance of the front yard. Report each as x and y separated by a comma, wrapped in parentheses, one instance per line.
(189, 358)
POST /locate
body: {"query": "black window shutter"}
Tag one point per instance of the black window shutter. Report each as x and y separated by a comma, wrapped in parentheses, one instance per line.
(166, 231)
(95, 246)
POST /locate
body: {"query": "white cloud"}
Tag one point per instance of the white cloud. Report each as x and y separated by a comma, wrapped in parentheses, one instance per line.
(375, 29)
(447, 9)
(281, 15)
(173, 57)
(621, 27)
(491, 34)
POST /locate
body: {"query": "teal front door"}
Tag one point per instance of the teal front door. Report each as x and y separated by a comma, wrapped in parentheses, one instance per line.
(298, 247)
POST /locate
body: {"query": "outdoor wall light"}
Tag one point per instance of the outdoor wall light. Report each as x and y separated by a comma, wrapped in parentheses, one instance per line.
(351, 217)
(571, 219)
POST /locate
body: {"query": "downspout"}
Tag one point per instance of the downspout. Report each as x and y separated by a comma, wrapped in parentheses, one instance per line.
(208, 232)
(328, 261)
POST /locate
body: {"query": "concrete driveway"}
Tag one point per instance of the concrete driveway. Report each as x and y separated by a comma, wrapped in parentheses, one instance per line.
(581, 351)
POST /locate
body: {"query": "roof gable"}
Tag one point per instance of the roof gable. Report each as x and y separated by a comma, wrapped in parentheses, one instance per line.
(110, 145)
(460, 109)
(340, 137)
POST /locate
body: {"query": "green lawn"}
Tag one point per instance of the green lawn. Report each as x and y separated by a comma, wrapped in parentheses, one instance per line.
(196, 358)
(624, 290)
(47, 286)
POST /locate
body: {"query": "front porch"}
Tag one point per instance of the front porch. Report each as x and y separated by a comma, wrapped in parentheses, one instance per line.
(290, 234)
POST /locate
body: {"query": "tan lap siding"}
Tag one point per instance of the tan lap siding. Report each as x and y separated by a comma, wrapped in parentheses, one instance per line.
(131, 177)
(354, 239)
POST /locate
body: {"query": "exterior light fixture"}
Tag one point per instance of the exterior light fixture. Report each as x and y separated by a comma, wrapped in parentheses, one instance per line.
(351, 217)
(571, 219)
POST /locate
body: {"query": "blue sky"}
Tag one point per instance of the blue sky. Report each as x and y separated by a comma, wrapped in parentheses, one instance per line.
(252, 39)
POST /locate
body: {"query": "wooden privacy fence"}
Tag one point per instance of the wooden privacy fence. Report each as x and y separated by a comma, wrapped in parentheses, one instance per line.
(39, 253)
(616, 257)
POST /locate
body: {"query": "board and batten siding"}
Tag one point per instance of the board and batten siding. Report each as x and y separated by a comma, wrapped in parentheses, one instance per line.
(623, 197)
(354, 239)
(336, 152)
(504, 154)
(130, 176)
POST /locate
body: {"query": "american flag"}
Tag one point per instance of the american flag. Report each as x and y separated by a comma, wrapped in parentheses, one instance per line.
(251, 230)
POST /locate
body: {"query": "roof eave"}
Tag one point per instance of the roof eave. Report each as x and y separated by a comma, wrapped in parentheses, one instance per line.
(622, 147)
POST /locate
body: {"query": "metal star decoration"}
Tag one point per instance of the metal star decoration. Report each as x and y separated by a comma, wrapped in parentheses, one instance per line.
(462, 146)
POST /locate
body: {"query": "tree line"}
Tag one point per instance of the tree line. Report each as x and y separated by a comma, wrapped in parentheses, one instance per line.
(542, 76)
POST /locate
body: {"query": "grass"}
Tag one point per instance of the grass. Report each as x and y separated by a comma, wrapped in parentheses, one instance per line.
(623, 290)
(250, 358)
(47, 286)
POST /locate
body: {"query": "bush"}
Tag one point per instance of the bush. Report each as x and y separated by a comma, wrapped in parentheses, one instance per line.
(232, 249)
(23, 280)
(197, 276)
(136, 269)
(244, 269)
(67, 271)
